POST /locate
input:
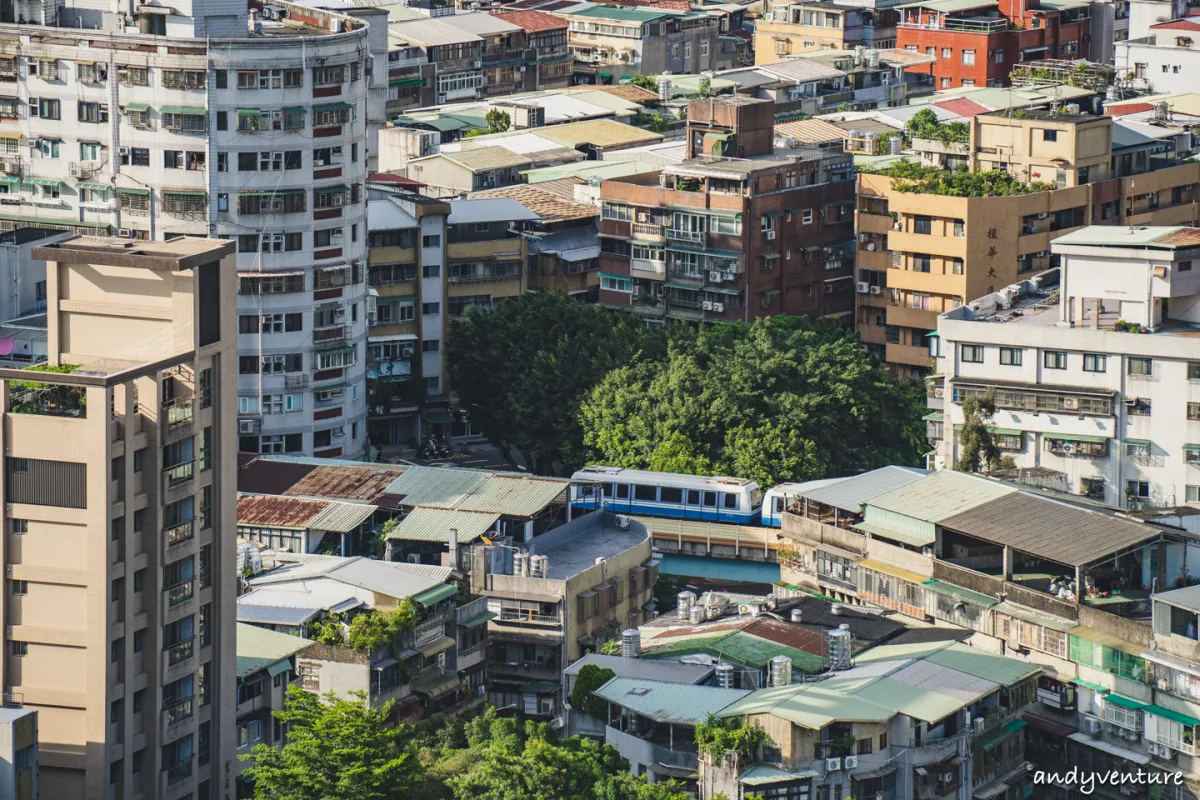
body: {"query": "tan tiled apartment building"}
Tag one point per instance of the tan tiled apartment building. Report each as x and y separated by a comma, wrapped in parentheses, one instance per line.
(118, 473)
(921, 254)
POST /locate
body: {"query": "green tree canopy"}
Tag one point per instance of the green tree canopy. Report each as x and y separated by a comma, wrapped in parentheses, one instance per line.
(778, 400)
(589, 679)
(978, 451)
(498, 121)
(647, 82)
(522, 369)
(336, 749)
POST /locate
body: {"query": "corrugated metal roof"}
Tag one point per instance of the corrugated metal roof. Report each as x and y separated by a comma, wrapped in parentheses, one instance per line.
(274, 615)
(801, 70)
(431, 32)
(484, 24)
(387, 215)
(259, 648)
(644, 669)
(435, 524)
(809, 705)
(365, 483)
(507, 493)
(274, 511)
(962, 106)
(1187, 597)
(484, 158)
(341, 517)
(940, 495)
(533, 21)
(848, 494)
(810, 131)
(927, 690)
(737, 646)
(950, 6)
(973, 661)
(599, 133)
(669, 702)
(1022, 521)
(382, 577)
(548, 206)
(493, 209)
(264, 476)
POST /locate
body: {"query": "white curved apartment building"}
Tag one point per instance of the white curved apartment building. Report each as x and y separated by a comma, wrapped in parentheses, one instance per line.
(207, 122)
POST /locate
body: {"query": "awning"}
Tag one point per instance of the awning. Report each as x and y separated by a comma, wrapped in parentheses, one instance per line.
(138, 107)
(772, 213)
(1166, 713)
(10, 180)
(477, 620)
(190, 111)
(384, 664)
(1048, 725)
(770, 292)
(249, 112)
(770, 256)
(990, 791)
(183, 192)
(812, 248)
(94, 187)
(134, 192)
(765, 775)
(436, 687)
(1099, 744)
(934, 416)
(270, 192)
(1058, 437)
(288, 274)
(1095, 687)
(680, 773)
(395, 337)
(1191, 448)
(439, 645)
(405, 82)
(682, 286)
(882, 772)
(54, 182)
(1125, 702)
(295, 111)
(334, 107)
(614, 275)
(279, 667)
(436, 594)
(843, 278)
(1138, 442)
(723, 290)
(331, 190)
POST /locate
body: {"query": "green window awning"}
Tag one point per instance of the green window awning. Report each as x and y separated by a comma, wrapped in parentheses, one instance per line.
(770, 256)
(333, 107)
(683, 286)
(94, 187)
(769, 292)
(436, 594)
(1138, 442)
(279, 667)
(1191, 448)
(812, 248)
(1058, 437)
(999, 431)
(935, 416)
(477, 620)
(269, 193)
(772, 213)
(1095, 687)
(249, 112)
(135, 192)
(185, 110)
(723, 290)
(331, 190)
(54, 182)
(1125, 702)
(1015, 725)
(405, 82)
(138, 107)
(1174, 716)
(183, 192)
(616, 275)
(10, 180)
(295, 111)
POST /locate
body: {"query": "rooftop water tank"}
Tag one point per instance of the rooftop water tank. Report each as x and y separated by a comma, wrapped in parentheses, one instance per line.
(631, 643)
(696, 615)
(780, 671)
(840, 648)
(685, 600)
(725, 676)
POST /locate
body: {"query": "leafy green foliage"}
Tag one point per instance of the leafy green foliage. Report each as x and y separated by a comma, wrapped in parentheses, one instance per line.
(336, 748)
(523, 368)
(589, 679)
(329, 630)
(498, 121)
(30, 397)
(960, 182)
(978, 449)
(653, 120)
(611, 648)
(705, 87)
(719, 738)
(647, 82)
(925, 125)
(778, 400)
(372, 630)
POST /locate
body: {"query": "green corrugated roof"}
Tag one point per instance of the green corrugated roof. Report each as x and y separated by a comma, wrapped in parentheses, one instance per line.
(669, 702)
(435, 524)
(973, 661)
(934, 416)
(249, 112)
(436, 594)
(1060, 437)
(510, 493)
(739, 647)
(1120, 235)
(334, 107)
(809, 705)
(95, 187)
(134, 192)
(950, 590)
(616, 275)
(259, 648)
(1125, 702)
(183, 192)
(765, 774)
(10, 180)
(139, 107)
(622, 14)
(1095, 687)
(44, 182)
(940, 495)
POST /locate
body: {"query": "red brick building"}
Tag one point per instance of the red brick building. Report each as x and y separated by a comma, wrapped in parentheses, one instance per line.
(977, 42)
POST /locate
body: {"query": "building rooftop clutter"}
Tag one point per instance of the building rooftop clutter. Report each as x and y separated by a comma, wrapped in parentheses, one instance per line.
(484, 24)
(674, 703)
(317, 479)
(645, 669)
(569, 556)
(532, 21)
(275, 511)
(388, 578)
(549, 205)
(259, 648)
(811, 131)
(603, 133)
(801, 70)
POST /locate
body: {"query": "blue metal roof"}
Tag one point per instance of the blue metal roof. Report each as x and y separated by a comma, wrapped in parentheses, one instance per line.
(719, 569)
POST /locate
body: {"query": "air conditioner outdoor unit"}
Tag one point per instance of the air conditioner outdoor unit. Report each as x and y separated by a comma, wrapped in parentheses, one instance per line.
(441, 98)
(876, 290)
(478, 64)
(1071, 403)
(947, 777)
(897, 225)
(248, 426)
(979, 723)
(407, 351)
(870, 247)
(337, 433)
(862, 237)
(1152, 749)
(864, 288)
(770, 236)
(719, 307)
(1091, 726)
(833, 764)
(522, 69)
(1069, 449)
(714, 276)
(125, 233)
(123, 151)
(850, 762)
(707, 305)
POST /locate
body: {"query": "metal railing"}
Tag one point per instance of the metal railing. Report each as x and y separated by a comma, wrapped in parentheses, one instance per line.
(179, 533)
(179, 473)
(685, 236)
(180, 592)
(295, 381)
(647, 229)
(178, 710)
(179, 771)
(524, 615)
(180, 651)
(965, 25)
(333, 334)
(179, 411)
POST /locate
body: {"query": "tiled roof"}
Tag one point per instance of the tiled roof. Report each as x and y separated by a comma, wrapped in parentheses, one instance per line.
(962, 106)
(546, 204)
(1177, 25)
(533, 21)
(811, 131)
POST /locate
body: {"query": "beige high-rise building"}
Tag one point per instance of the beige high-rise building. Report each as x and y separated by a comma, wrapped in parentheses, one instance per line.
(119, 471)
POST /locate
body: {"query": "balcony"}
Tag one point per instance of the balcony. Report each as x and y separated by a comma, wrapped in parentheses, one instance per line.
(961, 24)
(647, 232)
(179, 771)
(471, 656)
(180, 592)
(178, 412)
(176, 711)
(526, 615)
(179, 474)
(330, 335)
(180, 652)
(497, 54)
(295, 381)
(696, 237)
(180, 533)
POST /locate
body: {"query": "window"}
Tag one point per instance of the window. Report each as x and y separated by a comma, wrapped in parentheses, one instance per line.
(1054, 359)
(433, 240)
(945, 83)
(1140, 367)
(18, 649)
(947, 52)
(1137, 406)
(45, 108)
(19, 526)
(430, 346)
(972, 353)
(968, 56)
(1094, 363)
(806, 217)
(1137, 489)
(999, 56)
(923, 225)
(921, 262)
(249, 734)
(1193, 410)
(93, 112)
(173, 159)
(1011, 356)
(428, 309)
(19, 588)
(1049, 135)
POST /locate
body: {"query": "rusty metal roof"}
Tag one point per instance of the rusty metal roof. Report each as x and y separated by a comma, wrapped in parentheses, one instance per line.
(274, 511)
(365, 483)
(260, 476)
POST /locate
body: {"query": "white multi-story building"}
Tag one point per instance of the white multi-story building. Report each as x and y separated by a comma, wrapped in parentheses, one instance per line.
(203, 120)
(1095, 367)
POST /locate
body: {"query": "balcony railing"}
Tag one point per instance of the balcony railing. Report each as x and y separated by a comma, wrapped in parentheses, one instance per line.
(179, 473)
(334, 334)
(181, 651)
(295, 381)
(179, 411)
(646, 229)
(182, 532)
(178, 710)
(179, 771)
(523, 615)
(965, 25)
(685, 236)
(180, 592)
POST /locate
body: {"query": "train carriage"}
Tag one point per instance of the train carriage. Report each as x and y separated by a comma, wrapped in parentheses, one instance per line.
(666, 494)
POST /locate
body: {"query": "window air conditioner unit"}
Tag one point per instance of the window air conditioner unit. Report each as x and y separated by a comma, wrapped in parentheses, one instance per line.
(1071, 403)
(714, 276)
(947, 777)
(870, 247)
(862, 237)
(407, 350)
(719, 307)
(850, 762)
(248, 426)
(864, 287)
(478, 64)
(125, 233)
(833, 764)
(707, 305)
(338, 433)
(522, 68)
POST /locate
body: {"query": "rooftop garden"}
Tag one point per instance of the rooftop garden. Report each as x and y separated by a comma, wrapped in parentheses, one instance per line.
(914, 178)
(47, 399)
(925, 125)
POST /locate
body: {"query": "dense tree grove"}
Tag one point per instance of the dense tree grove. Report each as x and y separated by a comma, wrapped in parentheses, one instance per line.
(339, 750)
(776, 400)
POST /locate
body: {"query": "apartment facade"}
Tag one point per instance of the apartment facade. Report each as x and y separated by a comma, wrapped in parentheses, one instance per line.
(546, 36)
(733, 232)
(263, 138)
(791, 28)
(920, 255)
(978, 43)
(1163, 58)
(126, 651)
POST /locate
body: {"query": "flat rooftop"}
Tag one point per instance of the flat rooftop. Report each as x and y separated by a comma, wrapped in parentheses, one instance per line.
(580, 552)
(184, 252)
(1046, 115)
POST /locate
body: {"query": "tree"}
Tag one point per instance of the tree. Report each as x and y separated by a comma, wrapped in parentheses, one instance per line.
(978, 448)
(523, 368)
(778, 400)
(371, 630)
(336, 749)
(589, 679)
(705, 87)
(611, 648)
(647, 82)
(498, 121)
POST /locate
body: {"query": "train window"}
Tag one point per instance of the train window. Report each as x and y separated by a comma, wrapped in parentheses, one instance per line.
(710, 499)
(608, 490)
(693, 497)
(731, 500)
(670, 494)
(779, 501)
(622, 491)
(645, 492)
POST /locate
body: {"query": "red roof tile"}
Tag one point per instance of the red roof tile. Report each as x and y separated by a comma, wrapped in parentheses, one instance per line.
(1129, 108)
(1177, 25)
(962, 106)
(532, 21)
(1185, 237)
(398, 180)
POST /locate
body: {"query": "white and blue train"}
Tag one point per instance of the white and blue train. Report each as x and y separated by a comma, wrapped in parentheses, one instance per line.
(780, 497)
(666, 494)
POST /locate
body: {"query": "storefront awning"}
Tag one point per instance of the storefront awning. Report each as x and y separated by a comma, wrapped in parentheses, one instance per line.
(188, 111)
